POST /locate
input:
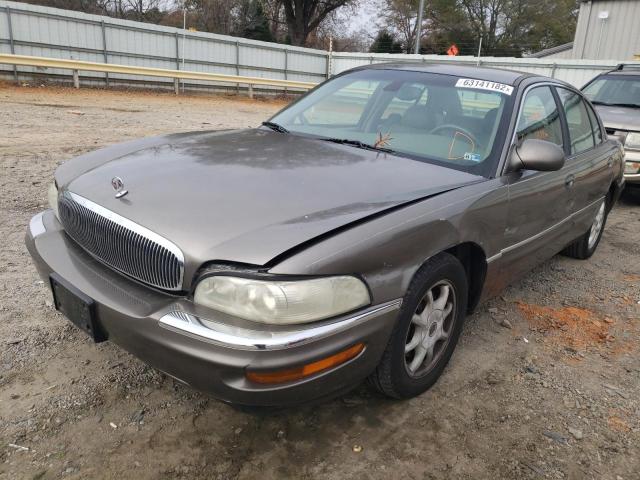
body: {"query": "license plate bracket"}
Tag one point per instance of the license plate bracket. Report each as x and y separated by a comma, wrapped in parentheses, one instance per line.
(77, 307)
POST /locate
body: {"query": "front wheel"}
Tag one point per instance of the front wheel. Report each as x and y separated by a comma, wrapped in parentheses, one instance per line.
(586, 245)
(427, 329)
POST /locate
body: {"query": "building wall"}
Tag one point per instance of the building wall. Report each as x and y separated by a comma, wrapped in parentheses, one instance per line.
(617, 37)
(564, 55)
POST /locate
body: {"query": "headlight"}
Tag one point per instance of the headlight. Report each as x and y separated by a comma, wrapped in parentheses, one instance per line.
(52, 196)
(633, 140)
(282, 302)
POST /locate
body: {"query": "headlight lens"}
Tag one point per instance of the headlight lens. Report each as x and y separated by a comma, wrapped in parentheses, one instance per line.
(633, 140)
(52, 196)
(282, 302)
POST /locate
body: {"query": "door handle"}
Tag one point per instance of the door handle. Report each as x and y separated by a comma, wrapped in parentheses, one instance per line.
(569, 181)
(609, 162)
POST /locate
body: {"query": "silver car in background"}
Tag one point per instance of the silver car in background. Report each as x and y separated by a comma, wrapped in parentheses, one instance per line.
(616, 96)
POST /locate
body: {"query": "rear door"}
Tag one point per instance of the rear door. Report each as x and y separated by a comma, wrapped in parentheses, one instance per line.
(538, 201)
(589, 160)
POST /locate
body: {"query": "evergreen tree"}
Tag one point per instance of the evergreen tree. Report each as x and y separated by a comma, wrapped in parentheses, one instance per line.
(385, 42)
(252, 22)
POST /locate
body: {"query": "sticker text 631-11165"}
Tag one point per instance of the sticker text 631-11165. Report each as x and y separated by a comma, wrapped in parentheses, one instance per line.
(484, 85)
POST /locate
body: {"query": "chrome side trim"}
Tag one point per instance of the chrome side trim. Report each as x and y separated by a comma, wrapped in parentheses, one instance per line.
(542, 233)
(36, 225)
(137, 229)
(246, 339)
(495, 257)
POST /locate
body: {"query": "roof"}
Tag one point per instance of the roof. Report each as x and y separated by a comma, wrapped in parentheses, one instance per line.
(479, 73)
(550, 51)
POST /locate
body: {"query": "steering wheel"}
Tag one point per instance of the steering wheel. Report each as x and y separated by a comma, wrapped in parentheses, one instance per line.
(455, 128)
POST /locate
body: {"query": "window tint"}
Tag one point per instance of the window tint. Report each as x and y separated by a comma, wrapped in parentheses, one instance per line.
(580, 132)
(595, 126)
(539, 117)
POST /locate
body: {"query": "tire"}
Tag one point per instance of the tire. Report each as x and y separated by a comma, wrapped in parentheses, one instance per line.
(631, 193)
(419, 321)
(586, 244)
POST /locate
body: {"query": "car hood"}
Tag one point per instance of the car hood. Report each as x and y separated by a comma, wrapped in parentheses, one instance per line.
(248, 196)
(619, 118)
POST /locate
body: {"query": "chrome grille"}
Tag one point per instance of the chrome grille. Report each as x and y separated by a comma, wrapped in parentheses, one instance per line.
(122, 244)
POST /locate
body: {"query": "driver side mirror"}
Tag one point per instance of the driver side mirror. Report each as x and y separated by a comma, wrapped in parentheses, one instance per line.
(539, 155)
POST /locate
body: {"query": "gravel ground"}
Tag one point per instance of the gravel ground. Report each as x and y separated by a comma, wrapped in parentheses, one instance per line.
(544, 384)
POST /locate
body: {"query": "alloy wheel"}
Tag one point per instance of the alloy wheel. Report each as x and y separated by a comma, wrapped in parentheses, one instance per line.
(596, 227)
(430, 329)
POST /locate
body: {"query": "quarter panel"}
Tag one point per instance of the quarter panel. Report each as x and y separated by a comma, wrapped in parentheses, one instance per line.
(387, 251)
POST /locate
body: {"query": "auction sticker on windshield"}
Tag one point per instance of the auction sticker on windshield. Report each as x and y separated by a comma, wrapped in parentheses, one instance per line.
(484, 85)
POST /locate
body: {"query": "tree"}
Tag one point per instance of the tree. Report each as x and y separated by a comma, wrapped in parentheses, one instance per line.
(305, 16)
(402, 17)
(507, 27)
(385, 42)
(252, 21)
(215, 16)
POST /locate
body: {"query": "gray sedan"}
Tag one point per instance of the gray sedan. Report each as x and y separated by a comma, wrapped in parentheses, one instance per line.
(345, 238)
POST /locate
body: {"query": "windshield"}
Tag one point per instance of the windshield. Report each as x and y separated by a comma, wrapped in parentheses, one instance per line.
(431, 117)
(622, 90)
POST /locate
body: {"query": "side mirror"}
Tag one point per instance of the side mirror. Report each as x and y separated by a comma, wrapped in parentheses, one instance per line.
(538, 155)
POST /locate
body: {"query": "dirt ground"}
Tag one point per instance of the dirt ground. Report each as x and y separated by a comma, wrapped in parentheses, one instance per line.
(544, 384)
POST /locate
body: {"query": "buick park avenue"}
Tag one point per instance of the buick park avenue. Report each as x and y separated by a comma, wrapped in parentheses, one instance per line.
(346, 238)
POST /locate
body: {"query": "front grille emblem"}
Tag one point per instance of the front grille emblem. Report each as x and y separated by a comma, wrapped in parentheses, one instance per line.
(118, 186)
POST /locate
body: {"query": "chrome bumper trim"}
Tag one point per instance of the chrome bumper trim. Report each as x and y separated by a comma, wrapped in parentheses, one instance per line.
(36, 225)
(246, 339)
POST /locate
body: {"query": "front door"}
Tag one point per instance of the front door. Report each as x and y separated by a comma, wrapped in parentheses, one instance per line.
(539, 202)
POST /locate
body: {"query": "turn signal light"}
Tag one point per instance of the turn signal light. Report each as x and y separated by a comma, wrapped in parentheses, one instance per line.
(297, 373)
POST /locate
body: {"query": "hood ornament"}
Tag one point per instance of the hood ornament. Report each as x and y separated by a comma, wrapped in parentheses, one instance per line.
(118, 186)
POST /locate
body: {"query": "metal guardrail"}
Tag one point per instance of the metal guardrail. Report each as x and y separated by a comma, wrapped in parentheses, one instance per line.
(79, 65)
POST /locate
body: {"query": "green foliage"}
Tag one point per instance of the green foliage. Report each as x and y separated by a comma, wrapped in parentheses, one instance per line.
(385, 42)
(253, 22)
(507, 27)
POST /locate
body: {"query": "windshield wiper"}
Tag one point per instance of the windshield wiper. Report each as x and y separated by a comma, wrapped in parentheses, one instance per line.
(275, 126)
(357, 144)
(628, 105)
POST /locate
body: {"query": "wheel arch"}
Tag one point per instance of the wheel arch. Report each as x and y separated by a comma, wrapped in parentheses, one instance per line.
(474, 261)
(613, 194)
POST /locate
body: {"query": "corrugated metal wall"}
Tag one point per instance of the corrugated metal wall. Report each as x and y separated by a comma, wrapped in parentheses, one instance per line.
(576, 72)
(564, 55)
(617, 36)
(33, 30)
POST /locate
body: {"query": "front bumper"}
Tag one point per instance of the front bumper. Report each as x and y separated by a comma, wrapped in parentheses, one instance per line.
(210, 351)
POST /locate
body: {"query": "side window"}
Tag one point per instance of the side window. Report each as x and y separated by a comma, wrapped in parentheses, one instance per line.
(580, 132)
(595, 125)
(539, 117)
